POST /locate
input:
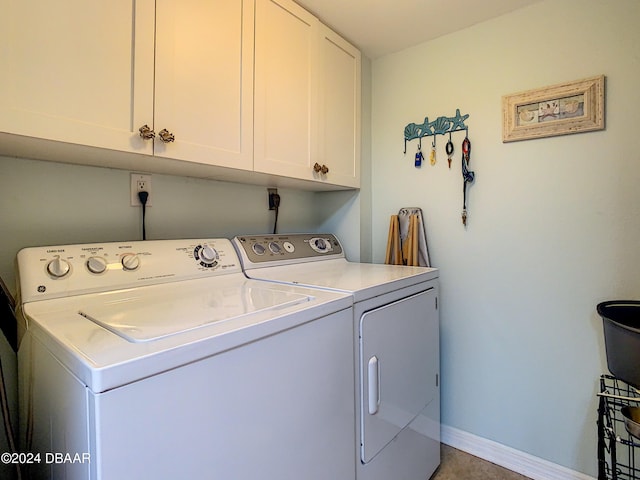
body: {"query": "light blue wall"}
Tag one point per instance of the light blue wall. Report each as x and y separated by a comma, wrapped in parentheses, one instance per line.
(47, 203)
(554, 224)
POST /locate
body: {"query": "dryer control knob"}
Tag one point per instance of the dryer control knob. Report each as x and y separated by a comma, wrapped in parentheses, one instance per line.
(274, 247)
(258, 249)
(320, 245)
(58, 267)
(96, 264)
(130, 261)
(208, 254)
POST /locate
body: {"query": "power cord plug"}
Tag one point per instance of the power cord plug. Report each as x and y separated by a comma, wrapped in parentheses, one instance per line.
(143, 196)
(275, 200)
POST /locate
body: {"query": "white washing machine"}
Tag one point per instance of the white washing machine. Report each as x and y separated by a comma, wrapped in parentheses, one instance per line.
(161, 360)
(396, 346)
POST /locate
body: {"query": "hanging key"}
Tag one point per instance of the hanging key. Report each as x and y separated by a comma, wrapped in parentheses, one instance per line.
(432, 153)
(449, 150)
(419, 156)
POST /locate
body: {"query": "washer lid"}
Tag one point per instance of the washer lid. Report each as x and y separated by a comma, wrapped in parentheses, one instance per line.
(143, 319)
(138, 332)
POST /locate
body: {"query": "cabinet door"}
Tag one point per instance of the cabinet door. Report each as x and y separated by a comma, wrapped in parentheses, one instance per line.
(204, 81)
(339, 109)
(285, 83)
(77, 71)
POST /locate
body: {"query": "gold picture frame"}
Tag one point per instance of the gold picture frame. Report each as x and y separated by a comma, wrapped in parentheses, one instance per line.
(561, 109)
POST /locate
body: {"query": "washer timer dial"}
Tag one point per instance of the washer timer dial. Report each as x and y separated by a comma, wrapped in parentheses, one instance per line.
(206, 256)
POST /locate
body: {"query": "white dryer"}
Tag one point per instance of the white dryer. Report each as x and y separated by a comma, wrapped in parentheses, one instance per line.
(396, 345)
(161, 360)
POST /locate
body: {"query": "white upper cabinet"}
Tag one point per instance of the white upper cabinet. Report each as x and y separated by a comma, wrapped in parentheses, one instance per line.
(307, 97)
(90, 73)
(285, 89)
(204, 81)
(339, 109)
(255, 91)
(68, 70)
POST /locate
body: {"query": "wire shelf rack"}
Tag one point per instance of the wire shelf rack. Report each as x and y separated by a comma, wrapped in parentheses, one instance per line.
(618, 451)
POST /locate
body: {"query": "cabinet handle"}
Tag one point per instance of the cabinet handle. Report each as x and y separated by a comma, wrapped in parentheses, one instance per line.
(166, 136)
(320, 168)
(146, 132)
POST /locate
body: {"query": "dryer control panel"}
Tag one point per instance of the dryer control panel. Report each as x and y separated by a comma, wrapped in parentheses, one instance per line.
(65, 270)
(259, 250)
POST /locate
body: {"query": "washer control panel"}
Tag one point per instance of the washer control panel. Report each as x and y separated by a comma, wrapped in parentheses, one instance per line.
(257, 250)
(65, 270)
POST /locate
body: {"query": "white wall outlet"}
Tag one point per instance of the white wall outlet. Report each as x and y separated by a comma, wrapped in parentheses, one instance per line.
(140, 182)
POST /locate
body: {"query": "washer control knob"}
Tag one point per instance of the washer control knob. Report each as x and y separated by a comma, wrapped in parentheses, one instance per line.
(289, 247)
(130, 261)
(208, 254)
(58, 267)
(96, 264)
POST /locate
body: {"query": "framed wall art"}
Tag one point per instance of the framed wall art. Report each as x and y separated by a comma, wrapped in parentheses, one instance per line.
(562, 109)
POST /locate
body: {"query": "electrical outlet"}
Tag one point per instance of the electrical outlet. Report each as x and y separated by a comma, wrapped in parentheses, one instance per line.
(140, 183)
(272, 192)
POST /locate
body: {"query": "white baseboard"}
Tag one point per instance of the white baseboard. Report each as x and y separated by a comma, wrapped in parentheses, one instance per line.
(507, 457)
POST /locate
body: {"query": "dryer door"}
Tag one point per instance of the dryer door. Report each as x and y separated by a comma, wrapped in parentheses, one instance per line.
(399, 357)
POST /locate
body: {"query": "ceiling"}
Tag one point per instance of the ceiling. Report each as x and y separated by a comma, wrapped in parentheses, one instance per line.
(379, 27)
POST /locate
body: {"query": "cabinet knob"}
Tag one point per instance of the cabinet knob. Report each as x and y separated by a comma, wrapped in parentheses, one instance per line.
(166, 136)
(320, 168)
(146, 132)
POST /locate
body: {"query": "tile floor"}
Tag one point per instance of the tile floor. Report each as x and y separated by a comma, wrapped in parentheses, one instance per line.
(458, 465)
